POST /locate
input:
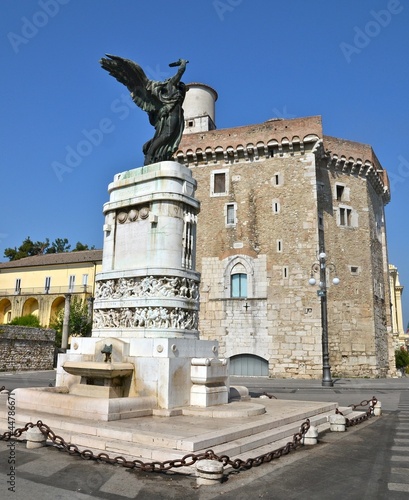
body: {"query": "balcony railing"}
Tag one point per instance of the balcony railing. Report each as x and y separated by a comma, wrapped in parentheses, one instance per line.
(53, 290)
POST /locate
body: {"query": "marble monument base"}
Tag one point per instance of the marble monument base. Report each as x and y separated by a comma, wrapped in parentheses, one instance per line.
(172, 372)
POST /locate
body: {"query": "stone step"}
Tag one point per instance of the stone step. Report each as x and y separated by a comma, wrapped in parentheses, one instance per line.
(160, 447)
(272, 436)
(238, 429)
(169, 438)
(243, 449)
(322, 428)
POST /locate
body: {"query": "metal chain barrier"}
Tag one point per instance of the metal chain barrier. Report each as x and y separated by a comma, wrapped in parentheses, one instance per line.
(349, 422)
(190, 458)
(185, 461)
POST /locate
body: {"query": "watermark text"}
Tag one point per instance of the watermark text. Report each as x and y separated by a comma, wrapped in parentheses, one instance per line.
(31, 25)
(11, 445)
(379, 20)
(225, 6)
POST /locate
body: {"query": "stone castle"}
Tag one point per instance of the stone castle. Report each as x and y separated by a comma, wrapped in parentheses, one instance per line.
(273, 195)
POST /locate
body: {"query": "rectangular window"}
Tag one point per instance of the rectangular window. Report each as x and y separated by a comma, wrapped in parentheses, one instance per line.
(339, 192)
(342, 216)
(230, 212)
(276, 206)
(349, 217)
(239, 285)
(345, 217)
(71, 283)
(219, 182)
(285, 272)
(18, 285)
(279, 246)
(84, 279)
(47, 284)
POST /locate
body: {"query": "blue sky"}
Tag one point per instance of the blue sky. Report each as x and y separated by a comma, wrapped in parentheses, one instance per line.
(345, 60)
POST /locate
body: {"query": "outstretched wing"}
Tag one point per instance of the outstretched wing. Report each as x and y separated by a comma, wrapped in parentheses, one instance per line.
(133, 77)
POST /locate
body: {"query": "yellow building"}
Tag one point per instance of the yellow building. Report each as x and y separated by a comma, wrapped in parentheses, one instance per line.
(38, 285)
(400, 337)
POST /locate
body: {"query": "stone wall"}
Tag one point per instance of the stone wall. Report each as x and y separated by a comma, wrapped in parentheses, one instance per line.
(279, 319)
(25, 348)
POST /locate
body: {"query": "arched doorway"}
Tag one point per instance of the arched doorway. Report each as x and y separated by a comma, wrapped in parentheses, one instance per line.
(30, 307)
(248, 365)
(5, 311)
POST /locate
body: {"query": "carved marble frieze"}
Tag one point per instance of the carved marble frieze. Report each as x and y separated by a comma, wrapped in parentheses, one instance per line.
(146, 317)
(148, 286)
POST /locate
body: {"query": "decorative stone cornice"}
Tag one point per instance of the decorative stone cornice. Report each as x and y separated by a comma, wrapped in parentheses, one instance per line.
(359, 160)
(276, 137)
(246, 151)
(282, 138)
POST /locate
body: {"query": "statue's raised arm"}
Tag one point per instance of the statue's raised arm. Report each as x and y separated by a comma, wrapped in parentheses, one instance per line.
(161, 100)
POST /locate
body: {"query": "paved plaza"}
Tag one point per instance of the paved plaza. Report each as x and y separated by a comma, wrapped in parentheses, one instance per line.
(369, 461)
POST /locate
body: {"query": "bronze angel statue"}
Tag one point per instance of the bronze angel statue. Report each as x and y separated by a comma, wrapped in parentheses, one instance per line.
(161, 100)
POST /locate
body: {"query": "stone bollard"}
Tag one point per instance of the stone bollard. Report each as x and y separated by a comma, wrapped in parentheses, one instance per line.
(209, 472)
(35, 438)
(311, 436)
(377, 409)
(337, 423)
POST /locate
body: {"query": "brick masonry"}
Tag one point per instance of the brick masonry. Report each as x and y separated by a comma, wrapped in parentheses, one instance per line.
(24, 348)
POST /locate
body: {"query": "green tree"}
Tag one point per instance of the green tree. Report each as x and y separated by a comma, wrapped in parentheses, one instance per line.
(79, 247)
(27, 320)
(29, 248)
(401, 358)
(80, 325)
(60, 245)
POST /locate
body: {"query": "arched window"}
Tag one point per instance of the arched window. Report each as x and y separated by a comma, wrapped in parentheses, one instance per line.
(238, 277)
(238, 281)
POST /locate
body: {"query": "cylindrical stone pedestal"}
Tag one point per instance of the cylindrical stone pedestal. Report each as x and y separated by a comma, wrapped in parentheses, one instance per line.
(337, 423)
(311, 436)
(209, 472)
(35, 438)
(377, 409)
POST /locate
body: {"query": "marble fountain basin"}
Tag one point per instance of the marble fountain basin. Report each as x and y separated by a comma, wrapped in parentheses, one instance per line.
(95, 369)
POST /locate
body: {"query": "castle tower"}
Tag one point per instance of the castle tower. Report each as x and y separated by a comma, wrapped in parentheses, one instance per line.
(199, 108)
(269, 193)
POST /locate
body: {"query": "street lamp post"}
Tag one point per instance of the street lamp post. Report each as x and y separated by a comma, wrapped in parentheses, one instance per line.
(321, 269)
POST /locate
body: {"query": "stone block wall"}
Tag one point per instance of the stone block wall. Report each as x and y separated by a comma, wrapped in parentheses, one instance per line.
(279, 318)
(272, 196)
(24, 348)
